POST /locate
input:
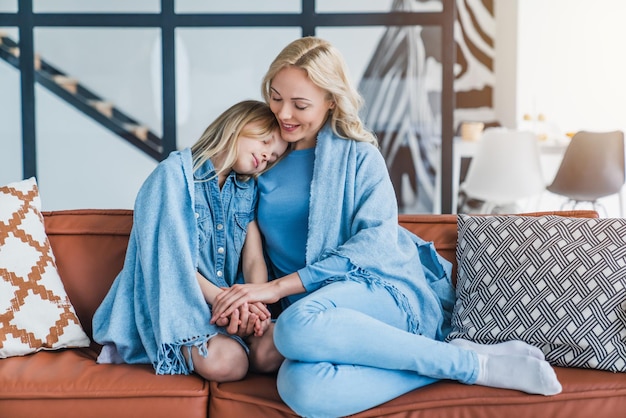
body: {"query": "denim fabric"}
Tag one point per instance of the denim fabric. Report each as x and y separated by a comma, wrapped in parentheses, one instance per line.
(155, 309)
(223, 217)
(348, 322)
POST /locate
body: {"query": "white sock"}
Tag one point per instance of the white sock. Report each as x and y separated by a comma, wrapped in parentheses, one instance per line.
(512, 348)
(524, 373)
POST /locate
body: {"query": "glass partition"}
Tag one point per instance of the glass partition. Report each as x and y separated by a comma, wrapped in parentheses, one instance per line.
(377, 6)
(108, 6)
(104, 76)
(92, 95)
(120, 65)
(206, 87)
(399, 76)
(8, 6)
(11, 115)
(238, 6)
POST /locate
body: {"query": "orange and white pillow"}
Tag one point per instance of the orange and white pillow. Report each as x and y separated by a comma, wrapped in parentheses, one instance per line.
(35, 311)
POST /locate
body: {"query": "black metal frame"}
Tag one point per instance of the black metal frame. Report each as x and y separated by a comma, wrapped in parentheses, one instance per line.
(167, 20)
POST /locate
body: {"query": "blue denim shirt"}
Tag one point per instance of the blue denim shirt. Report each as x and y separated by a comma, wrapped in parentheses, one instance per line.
(223, 217)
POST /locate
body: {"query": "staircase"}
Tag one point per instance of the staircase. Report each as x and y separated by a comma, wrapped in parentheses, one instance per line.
(86, 101)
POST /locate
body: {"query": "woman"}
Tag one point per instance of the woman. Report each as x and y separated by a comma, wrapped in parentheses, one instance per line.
(193, 227)
(369, 303)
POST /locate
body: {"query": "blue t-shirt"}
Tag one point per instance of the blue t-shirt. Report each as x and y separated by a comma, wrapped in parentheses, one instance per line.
(283, 215)
(283, 210)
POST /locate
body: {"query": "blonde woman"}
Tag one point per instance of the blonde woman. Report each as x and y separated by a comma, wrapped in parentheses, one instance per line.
(194, 222)
(367, 303)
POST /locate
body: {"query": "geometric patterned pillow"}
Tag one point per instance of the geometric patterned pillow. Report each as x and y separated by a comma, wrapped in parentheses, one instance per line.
(554, 282)
(35, 312)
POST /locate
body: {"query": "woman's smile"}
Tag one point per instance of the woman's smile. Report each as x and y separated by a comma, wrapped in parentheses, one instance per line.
(300, 106)
(288, 127)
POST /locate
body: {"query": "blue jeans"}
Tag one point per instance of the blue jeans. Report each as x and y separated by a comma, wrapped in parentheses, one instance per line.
(347, 350)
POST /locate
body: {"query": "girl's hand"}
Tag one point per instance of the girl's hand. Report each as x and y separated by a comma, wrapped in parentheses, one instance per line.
(246, 320)
(242, 322)
(261, 326)
(260, 309)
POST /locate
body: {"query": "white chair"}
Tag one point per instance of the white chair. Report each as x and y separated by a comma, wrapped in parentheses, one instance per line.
(505, 170)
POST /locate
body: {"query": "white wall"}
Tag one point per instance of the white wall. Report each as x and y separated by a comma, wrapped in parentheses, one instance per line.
(571, 62)
(505, 63)
(564, 59)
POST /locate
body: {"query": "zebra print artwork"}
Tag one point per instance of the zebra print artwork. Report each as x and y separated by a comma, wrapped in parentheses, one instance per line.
(402, 90)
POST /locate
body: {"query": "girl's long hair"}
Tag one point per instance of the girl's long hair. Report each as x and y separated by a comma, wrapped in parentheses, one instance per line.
(251, 118)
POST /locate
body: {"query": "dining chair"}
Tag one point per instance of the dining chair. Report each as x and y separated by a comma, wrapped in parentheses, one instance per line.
(505, 170)
(592, 168)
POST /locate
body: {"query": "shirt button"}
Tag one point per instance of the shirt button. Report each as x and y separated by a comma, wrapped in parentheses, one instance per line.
(220, 250)
(219, 273)
(220, 227)
(197, 215)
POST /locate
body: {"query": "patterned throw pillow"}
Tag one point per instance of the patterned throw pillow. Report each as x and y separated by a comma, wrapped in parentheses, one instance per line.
(557, 283)
(35, 312)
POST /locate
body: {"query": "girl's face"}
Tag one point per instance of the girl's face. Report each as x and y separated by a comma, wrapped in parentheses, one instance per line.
(300, 106)
(254, 153)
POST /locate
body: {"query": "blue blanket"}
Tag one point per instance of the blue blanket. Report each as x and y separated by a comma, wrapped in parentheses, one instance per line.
(363, 227)
(155, 308)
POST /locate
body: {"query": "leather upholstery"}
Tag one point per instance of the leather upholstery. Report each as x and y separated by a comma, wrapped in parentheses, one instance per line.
(89, 246)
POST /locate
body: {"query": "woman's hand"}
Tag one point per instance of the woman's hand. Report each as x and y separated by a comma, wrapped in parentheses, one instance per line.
(234, 297)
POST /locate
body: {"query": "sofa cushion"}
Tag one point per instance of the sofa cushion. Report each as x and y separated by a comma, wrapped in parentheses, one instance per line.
(35, 311)
(555, 282)
(586, 393)
(70, 384)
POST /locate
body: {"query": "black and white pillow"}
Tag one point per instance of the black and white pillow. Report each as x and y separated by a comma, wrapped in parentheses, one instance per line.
(557, 283)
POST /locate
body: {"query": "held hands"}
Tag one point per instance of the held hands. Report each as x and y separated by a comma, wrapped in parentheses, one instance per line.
(248, 319)
(251, 295)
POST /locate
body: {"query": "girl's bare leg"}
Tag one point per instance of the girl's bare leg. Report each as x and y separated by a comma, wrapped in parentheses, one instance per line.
(264, 357)
(226, 360)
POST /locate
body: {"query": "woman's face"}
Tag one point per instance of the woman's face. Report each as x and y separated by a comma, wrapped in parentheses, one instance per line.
(300, 106)
(254, 153)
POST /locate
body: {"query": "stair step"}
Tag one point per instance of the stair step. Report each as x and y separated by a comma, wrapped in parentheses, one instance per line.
(139, 131)
(106, 108)
(83, 99)
(68, 83)
(15, 51)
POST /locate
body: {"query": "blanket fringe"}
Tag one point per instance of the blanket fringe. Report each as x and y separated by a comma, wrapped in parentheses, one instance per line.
(170, 358)
(360, 275)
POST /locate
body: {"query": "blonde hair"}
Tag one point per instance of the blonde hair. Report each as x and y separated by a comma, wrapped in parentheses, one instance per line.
(251, 118)
(326, 68)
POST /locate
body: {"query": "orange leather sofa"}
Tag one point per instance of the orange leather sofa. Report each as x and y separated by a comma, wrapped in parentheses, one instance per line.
(89, 246)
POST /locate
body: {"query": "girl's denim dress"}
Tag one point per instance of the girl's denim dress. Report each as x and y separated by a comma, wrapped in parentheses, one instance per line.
(223, 217)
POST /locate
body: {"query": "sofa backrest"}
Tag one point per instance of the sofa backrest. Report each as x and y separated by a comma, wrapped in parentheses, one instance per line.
(442, 230)
(89, 246)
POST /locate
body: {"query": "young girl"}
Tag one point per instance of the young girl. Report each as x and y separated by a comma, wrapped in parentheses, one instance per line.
(193, 227)
(369, 302)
